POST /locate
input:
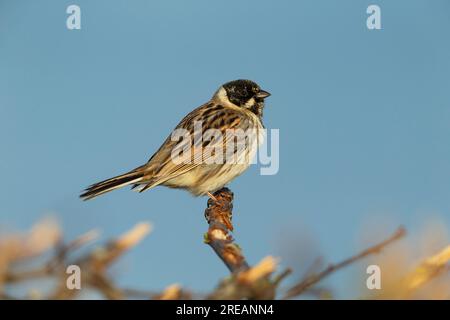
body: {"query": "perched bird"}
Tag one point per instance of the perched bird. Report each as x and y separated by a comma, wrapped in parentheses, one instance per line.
(236, 105)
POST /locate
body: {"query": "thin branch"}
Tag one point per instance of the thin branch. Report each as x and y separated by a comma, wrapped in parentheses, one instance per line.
(218, 214)
(429, 268)
(55, 262)
(314, 278)
(93, 265)
(257, 282)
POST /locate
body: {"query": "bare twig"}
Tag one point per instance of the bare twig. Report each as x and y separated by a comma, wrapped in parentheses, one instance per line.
(257, 282)
(429, 268)
(246, 282)
(312, 279)
(218, 214)
(93, 265)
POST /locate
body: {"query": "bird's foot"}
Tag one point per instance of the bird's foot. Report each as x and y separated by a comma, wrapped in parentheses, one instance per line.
(221, 201)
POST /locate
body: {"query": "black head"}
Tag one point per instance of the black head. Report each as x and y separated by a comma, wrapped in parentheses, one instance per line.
(241, 92)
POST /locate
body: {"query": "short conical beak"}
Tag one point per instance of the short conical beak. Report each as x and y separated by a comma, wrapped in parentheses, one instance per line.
(262, 94)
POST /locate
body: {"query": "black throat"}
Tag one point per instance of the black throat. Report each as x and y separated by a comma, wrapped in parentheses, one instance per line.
(257, 109)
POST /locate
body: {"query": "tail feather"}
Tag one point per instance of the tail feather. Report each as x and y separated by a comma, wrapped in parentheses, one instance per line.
(108, 185)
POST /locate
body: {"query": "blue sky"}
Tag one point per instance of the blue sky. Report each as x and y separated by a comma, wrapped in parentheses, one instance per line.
(364, 121)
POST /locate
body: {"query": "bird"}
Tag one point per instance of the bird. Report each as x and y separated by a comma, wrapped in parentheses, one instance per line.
(236, 105)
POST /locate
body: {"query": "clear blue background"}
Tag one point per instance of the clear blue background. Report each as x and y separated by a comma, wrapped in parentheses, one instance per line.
(364, 121)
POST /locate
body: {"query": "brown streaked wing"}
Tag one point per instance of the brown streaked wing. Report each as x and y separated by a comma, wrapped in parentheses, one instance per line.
(214, 117)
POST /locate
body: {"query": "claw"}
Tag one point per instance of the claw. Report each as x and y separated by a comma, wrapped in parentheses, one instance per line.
(212, 196)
